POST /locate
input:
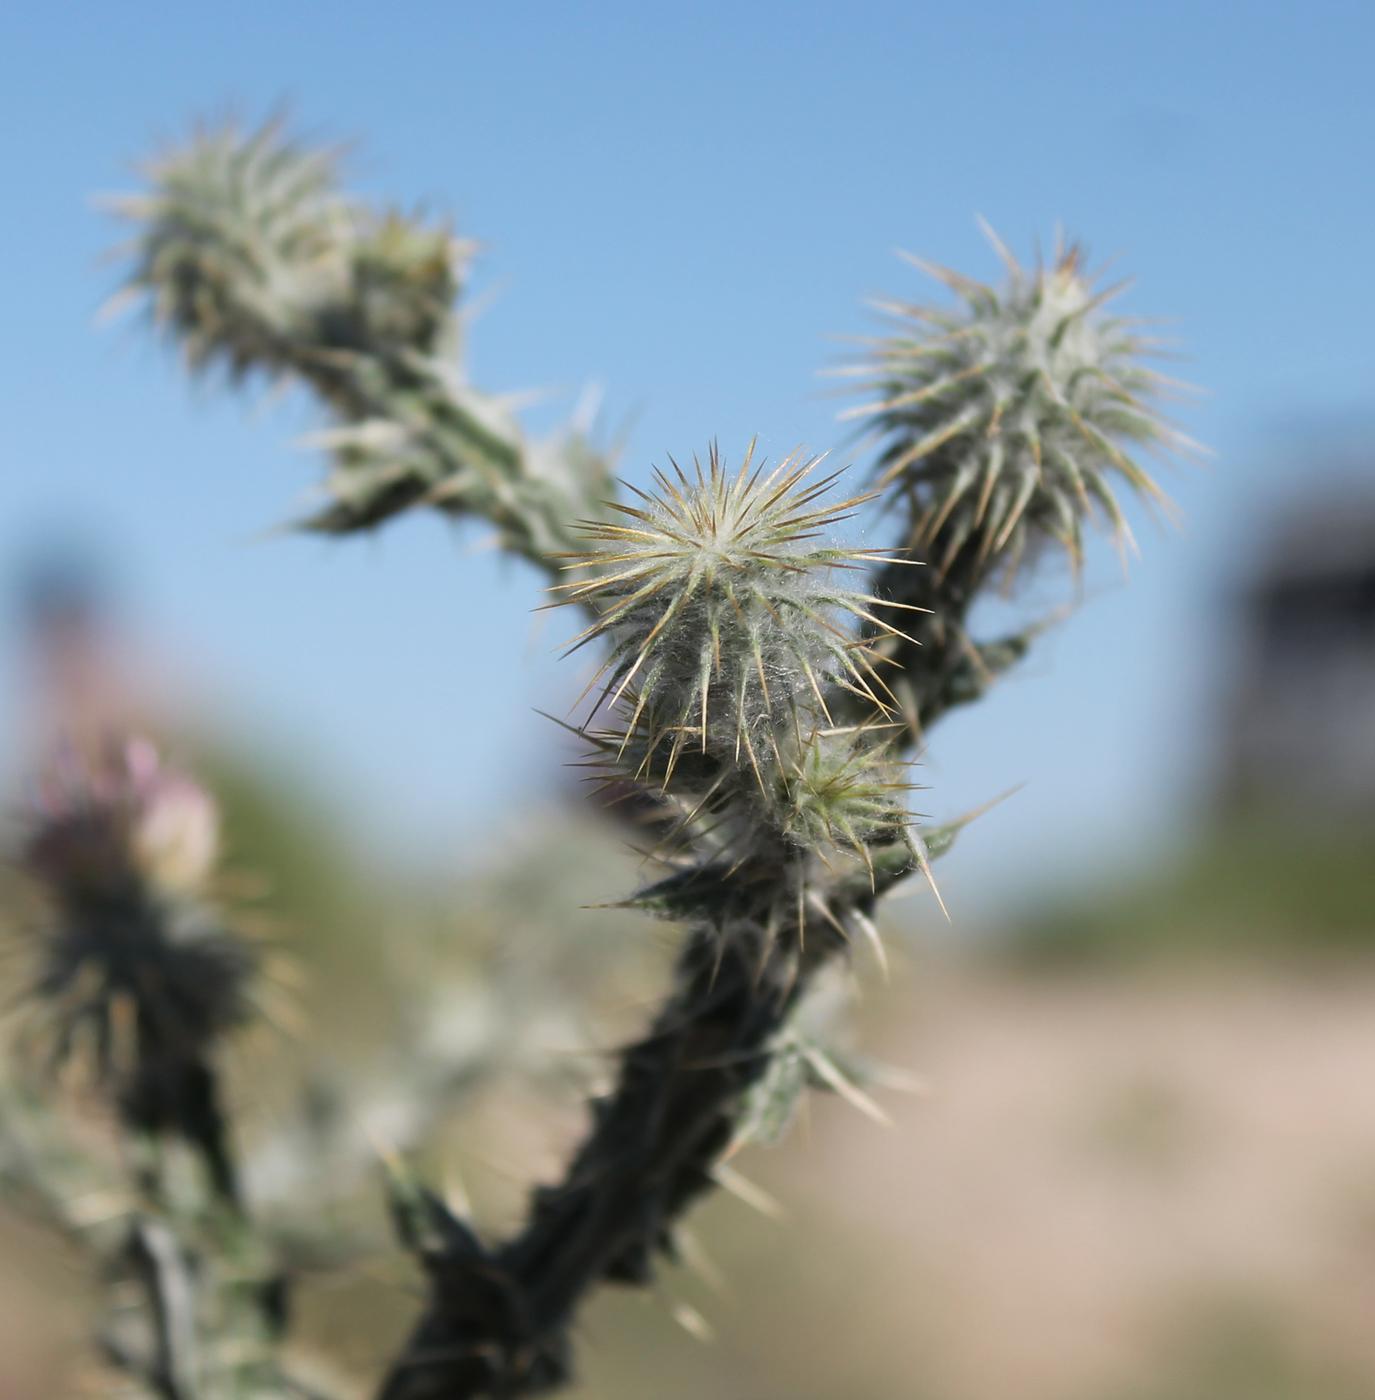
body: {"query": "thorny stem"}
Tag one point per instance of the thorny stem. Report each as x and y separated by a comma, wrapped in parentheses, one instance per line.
(497, 1320)
(936, 666)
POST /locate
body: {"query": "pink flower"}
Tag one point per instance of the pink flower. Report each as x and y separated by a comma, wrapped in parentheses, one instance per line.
(105, 814)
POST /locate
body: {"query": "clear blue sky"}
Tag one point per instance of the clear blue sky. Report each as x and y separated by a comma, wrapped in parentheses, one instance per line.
(681, 204)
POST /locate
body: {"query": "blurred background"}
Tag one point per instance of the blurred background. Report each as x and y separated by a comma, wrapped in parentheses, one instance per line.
(1143, 1164)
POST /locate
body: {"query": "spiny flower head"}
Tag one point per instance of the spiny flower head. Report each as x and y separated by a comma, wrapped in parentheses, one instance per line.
(238, 236)
(716, 593)
(1006, 420)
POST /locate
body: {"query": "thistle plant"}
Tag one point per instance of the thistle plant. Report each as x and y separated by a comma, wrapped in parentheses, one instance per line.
(759, 686)
(133, 968)
(139, 983)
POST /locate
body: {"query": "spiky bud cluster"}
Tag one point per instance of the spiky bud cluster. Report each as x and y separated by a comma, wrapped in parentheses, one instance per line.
(729, 636)
(1005, 421)
(247, 254)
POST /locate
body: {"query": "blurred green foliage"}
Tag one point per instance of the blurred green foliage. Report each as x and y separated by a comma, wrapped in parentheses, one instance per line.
(1240, 1350)
(1250, 886)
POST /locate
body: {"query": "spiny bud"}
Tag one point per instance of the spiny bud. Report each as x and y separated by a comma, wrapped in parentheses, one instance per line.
(845, 790)
(238, 237)
(1006, 420)
(725, 623)
(406, 276)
